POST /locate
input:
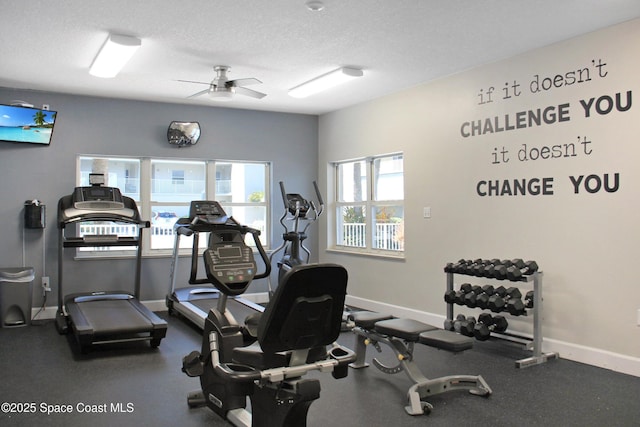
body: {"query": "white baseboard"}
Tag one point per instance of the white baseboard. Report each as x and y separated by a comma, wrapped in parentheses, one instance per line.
(575, 352)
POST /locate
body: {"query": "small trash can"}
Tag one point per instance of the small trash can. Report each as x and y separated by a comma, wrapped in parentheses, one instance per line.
(16, 285)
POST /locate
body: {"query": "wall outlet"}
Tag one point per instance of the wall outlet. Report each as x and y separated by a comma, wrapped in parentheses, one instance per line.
(45, 284)
(426, 212)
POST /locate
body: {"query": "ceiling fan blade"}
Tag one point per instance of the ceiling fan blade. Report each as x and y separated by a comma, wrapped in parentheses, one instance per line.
(202, 92)
(191, 81)
(249, 92)
(243, 82)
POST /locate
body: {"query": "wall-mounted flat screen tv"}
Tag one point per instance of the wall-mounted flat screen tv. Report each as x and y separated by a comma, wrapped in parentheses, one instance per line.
(26, 124)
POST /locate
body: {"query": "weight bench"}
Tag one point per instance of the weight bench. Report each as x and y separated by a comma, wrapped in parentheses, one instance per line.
(401, 335)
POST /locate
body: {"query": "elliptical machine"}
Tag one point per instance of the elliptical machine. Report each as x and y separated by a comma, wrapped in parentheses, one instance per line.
(298, 210)
(291, 338)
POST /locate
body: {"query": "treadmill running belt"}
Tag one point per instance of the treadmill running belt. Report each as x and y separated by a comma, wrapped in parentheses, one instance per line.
(237, 309)
(114, 317)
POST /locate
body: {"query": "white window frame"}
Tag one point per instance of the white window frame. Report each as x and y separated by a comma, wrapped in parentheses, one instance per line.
(369, 205)
(145, 204)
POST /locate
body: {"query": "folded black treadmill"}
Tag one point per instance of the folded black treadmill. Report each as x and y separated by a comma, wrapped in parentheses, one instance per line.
(102, 317)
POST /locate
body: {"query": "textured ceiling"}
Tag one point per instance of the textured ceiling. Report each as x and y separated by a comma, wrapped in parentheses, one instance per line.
(49, 45)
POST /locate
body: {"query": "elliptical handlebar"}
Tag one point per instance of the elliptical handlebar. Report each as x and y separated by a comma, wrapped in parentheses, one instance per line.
(296, 209)
(320, 200)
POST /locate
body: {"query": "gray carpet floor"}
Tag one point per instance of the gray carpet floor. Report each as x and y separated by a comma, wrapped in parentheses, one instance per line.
(43, 372)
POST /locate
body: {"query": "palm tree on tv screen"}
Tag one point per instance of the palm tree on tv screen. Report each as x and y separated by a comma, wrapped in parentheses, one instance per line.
(38, 118)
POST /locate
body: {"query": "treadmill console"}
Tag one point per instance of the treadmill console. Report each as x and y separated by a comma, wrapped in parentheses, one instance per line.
(230, 266)
(97, 198)
(207, 211)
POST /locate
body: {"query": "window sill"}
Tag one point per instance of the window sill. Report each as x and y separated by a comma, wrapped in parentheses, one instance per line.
(393, 256)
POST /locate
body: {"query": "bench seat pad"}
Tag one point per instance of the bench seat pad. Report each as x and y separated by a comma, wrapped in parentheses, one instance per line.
(406, 329)
(366, 319)
(445, 340)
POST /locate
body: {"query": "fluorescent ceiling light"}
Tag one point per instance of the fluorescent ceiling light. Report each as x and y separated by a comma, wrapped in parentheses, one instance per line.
(325, 82)
(113, 55)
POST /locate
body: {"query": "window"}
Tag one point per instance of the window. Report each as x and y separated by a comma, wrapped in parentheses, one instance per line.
(370, 204)
(164, 189)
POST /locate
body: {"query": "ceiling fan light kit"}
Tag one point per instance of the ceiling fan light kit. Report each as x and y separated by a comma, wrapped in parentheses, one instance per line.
(114, 55)
(325, 81)
(221, 95)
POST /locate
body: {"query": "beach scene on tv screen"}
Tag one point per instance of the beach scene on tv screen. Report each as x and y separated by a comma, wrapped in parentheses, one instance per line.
(26, 124)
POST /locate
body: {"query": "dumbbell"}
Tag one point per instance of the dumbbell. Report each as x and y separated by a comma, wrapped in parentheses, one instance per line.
(467, 325)
(450, 296)
(528, 299)
(513, 302)
(489, 269)
(469, 266)
(487, 324)
(454, 267)
(457, 297)
(483, 299)
(471, 297)
(499, 300)
(465, 288)
(516, 272)
(500, 271)
(459, 322)
(515, 306)
(478, 269)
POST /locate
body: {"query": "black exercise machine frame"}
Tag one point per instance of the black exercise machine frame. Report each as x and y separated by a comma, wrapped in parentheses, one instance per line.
(74, 318)
(303, 317)
(187, 227)
(296, 209)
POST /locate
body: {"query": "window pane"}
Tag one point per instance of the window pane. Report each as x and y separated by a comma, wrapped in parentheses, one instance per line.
(352, 226)
(162, 220)
(352, 181)
(121, 173)
(388, 182)
(177, 181)
(388, 228)
(251, 216)
(240, 182)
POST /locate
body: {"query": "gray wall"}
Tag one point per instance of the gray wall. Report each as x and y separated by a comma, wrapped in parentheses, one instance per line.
(585, 239)
(99, 126)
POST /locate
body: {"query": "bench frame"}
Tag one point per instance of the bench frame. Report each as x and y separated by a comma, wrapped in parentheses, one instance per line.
(403, 348)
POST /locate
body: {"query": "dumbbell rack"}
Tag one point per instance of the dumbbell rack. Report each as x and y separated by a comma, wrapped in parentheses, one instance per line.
(533, 344)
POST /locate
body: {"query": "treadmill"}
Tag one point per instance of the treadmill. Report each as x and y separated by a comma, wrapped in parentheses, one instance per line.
(234, 261)
(103, 317)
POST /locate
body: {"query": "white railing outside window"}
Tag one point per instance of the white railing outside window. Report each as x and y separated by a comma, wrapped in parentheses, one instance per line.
(388, 236)
(163, 190)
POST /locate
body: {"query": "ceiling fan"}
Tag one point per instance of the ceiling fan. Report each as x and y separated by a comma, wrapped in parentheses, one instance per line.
(221, 88)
